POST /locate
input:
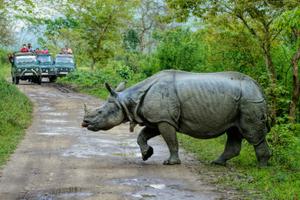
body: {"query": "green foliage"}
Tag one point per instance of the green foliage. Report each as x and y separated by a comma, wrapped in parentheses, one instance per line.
(15, 116)
(99, 23)
(179, 49)
(131, 40)
(284, 141)
(5, 29)
(124, 72)
(92, 82)
(288, 21)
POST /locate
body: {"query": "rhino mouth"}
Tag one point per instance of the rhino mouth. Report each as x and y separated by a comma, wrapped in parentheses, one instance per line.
(89, 126)
(93, 127)
(85, 124)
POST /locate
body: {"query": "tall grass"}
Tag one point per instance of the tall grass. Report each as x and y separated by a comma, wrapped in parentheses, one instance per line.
(15, 115)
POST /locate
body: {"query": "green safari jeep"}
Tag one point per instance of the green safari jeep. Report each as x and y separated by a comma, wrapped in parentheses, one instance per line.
(25, 67)
(47, 68)
(64, 64)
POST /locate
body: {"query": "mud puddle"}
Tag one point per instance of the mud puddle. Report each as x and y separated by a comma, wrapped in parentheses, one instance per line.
(102, 145)
(73, 193)
(157, 189)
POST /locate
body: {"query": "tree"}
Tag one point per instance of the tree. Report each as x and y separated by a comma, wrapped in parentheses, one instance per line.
(131, 40)
(289, 23)
(100, 25)
(257, 16)
(147, 21)
(179, 49)
(5, 30)
(92, 28)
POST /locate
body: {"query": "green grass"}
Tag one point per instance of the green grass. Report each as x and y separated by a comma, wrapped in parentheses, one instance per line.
(92, 82)
(15, 116)
(278, 181)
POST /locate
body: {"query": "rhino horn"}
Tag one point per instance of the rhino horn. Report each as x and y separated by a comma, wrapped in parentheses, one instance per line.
(111, 91)
(121, 87)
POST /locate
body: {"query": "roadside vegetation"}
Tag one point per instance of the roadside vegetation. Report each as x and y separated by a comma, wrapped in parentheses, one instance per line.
(116, 41)
(15, 113)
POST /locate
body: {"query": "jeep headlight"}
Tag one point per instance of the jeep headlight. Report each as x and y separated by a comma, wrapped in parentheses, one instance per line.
(37, 69)
(19, 70)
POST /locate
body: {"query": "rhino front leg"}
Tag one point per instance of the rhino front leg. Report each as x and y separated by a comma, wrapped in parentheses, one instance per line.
(146, 134)
(168, 132)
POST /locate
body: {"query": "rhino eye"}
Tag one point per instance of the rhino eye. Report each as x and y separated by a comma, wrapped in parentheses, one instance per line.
(100, 111)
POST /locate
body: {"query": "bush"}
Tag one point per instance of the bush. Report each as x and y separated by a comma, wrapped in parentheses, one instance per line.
(179, 49)
(284, 142)
(92, 82)
(15, 116)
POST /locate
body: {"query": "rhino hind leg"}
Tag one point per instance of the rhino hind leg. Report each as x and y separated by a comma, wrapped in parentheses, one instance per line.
(168, 132)
(232, 147)
(253, 123)
(146, 134)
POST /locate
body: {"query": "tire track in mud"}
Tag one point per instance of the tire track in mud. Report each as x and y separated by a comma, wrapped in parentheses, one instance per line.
(59, 160)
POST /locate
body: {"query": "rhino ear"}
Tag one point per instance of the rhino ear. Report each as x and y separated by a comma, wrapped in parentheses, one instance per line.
(111, 91)
(120, 87)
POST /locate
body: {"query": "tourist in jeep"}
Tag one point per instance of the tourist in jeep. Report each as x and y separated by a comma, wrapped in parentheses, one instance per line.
(29, 47)
(24, 48)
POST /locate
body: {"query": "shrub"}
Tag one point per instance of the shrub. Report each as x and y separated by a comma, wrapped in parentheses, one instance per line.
(284, 142)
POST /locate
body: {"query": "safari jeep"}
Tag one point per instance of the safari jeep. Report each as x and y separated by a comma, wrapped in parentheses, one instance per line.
(25, 67)
(64, 64)
(47, 68)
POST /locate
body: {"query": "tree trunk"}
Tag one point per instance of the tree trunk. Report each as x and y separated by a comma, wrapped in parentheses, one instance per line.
(272, 75)
(296, 86)
(269, 64)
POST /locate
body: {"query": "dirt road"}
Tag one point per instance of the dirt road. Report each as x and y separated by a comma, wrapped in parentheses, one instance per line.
(59, 160)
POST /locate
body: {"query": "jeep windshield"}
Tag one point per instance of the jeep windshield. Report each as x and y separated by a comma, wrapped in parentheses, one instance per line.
(64, 60)
(44, 59)
(25, 59)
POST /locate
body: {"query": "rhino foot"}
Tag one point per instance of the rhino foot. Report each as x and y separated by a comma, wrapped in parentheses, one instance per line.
(148, 154)
(172, 162)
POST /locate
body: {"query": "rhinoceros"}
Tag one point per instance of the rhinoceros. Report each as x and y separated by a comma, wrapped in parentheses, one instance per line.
(201, 105)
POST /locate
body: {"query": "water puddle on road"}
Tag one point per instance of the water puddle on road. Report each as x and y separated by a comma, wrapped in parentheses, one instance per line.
(55, 131)
(89, 146)
(46, 108)
(73, 193)
(58, 121)
(56, 114)
(156, 189)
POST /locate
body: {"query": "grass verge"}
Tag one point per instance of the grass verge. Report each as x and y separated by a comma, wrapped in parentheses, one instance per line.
(280, 180)
(15, 116)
